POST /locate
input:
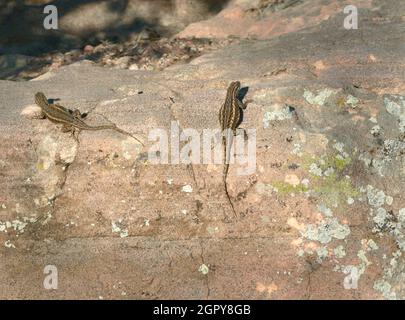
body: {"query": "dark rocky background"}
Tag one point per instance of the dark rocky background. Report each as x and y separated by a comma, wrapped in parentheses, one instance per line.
(323, 215)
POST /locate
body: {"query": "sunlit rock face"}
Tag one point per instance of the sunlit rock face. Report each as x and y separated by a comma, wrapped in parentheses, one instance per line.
(322, 213)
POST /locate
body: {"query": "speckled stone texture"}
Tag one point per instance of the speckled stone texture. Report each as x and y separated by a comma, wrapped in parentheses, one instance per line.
(323, 213)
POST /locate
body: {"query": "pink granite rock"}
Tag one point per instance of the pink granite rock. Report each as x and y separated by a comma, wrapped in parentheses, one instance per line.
(323, 213)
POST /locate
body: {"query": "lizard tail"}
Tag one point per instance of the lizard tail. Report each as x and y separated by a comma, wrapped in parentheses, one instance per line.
(128, 134)
(225, 174)
(228, 197)
(110, 126)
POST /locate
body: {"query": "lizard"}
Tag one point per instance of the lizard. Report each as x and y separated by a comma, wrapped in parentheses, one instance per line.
(71, 120)
(230, 115)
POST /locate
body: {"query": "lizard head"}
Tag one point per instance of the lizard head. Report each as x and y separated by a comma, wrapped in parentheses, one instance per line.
(234, 88)
(40, 99)
(235, 84)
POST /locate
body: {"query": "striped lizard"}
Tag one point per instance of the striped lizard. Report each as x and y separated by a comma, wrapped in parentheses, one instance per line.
(71, 120)
(230, 116)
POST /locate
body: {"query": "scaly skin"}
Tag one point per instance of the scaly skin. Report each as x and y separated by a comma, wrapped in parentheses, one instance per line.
(70, 119)
(229, 118)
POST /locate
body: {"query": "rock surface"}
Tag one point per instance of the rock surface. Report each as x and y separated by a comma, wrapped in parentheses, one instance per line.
(323, 214)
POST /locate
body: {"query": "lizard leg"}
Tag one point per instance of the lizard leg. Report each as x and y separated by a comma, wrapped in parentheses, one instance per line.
(245, 136)
(243, 105)
(72, 130)
(76, 113)
(75, 134)
(67, 128)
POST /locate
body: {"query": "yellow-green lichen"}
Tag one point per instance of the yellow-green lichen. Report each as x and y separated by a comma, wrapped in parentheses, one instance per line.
(333, 189)
(327, 179)
(286, 188)
(347, 101)
(336, 162)
(341, 102)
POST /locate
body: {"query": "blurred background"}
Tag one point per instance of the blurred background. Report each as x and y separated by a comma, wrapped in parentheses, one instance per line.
(116, 32)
